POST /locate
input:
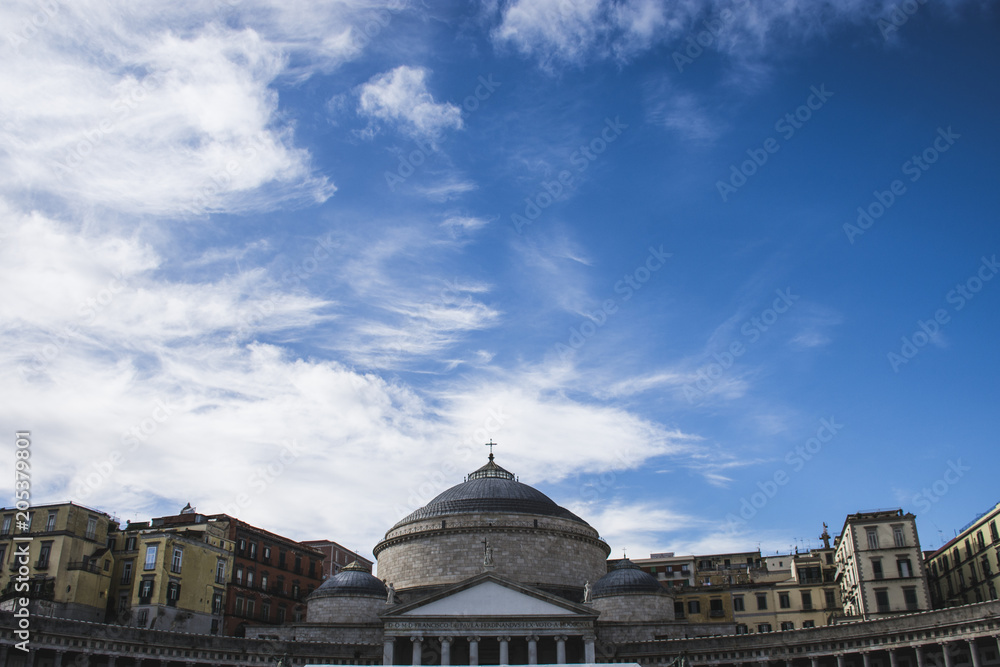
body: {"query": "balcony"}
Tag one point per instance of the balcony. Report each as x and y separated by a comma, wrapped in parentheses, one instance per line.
(42, 564)
(716, 613)
(85, 565)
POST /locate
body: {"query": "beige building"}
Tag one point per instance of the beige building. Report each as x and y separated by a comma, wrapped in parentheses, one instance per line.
(69, 563)
(672, 571)
(880, 568)
(172, 573)
(967, 569)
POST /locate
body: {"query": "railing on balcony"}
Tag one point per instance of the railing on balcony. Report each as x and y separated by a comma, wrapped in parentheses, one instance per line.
(41, 564)
(85, 565)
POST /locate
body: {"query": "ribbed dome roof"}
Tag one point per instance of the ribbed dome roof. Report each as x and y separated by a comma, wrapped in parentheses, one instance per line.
(626, 578)
(354, 580)
(491, 489)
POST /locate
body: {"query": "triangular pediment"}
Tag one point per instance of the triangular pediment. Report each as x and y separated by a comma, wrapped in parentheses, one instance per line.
(490, 595)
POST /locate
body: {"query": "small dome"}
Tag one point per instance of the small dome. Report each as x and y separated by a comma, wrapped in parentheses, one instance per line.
(626, 579)
(355, 581)
(491, 489)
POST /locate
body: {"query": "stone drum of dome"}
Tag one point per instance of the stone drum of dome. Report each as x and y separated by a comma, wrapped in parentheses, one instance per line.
(492, 523)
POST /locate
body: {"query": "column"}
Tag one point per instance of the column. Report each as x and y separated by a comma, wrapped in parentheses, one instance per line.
(920, 655)
(473, 651)
(814, 662)
(866, 656)
(561, 649)
(974, 653)
(446, 650)
(58, 661)
(504, 651)
(946, 650)
(111, 661)
(840, 660)
(388, 646)
(893, 658)
(589, 654)
(533, 650)
(418, 649)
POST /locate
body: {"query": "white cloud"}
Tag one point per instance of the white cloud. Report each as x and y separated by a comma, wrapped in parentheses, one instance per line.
(166, 110)
(400, 96)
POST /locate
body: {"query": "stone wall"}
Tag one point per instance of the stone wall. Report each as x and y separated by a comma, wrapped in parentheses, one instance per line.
(434, 552)
(344, 609)
(635, 607)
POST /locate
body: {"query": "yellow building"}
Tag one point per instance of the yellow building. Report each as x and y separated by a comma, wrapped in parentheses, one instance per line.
(70, 565)
(172, 573)
(967, 569)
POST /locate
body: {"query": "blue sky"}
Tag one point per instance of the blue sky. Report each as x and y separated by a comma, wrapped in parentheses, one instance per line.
(710, 273)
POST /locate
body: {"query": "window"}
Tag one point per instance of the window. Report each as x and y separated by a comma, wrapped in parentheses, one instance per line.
(263, 581)
(6, 524)
(281, 614)
(249, 578)
(882, 600)
(239, 606)
(787, 625)
(142, 618)
(241, 546)
(31, 516)
(150, 563)
(122, 603)
(738, 603)
(877, 568)
(807, 600)
(944, 561)
(872, 538)
(239, 575)
(43, 555)
(215, 626)
(764, 627)
(217, 603)
(808, 624)
(129, 544)
(281, 559)
(3, 555)
(253, 551)
(968, 548)
(715, 609)
(783, 601)
(678, 609)
(91, 528)
(694, 607)
(265, 612)
(742, 629)
(897, 536)
(175, 564)
(761, 601)
(980, 542)
(145, 591)
(127, 572)
(993, 531)
(298, 564)
(220, 572)
(910, 596)
(250, 607)
(295, 590)
(267, 554)
(173, 593)
(986, 566)
(903, 565)
(829, 558)
(50, 524)
(312, 568)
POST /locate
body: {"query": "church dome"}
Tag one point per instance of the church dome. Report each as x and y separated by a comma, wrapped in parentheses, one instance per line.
(626, 579)
(355, 581)
(490, 489)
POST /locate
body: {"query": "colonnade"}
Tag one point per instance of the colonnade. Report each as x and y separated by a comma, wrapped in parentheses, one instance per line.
(445, 643)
